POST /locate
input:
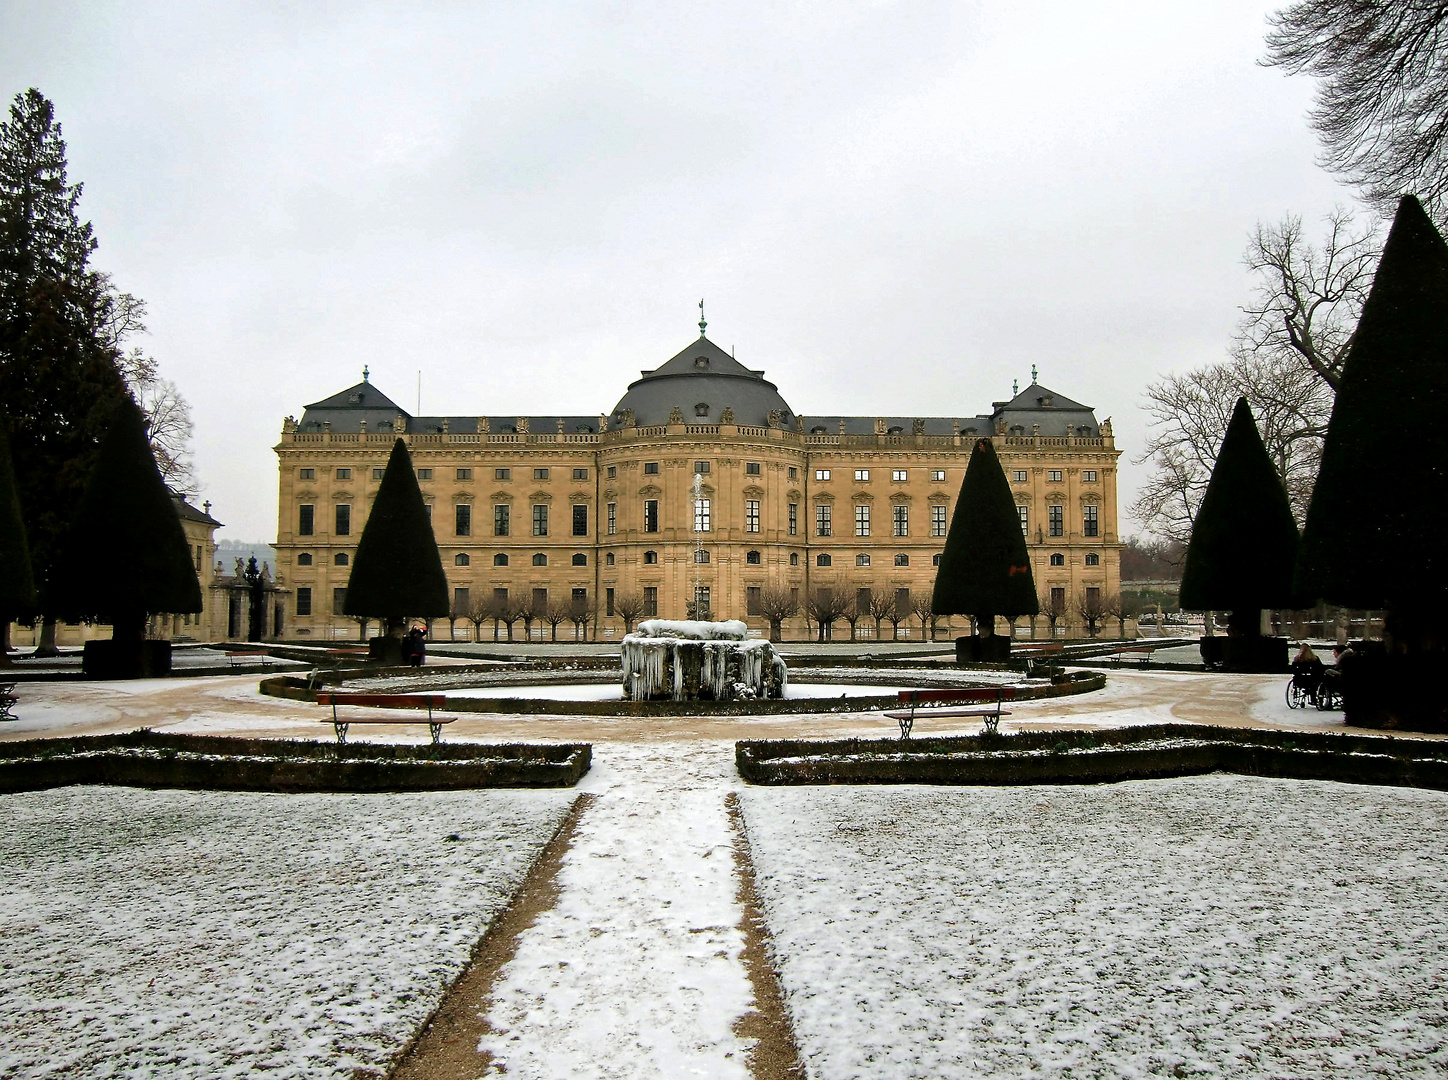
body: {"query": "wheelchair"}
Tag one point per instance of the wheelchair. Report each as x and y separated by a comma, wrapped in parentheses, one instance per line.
(1311, 684)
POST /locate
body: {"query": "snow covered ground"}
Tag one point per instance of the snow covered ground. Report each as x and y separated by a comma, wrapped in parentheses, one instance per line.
(216, 934)
(1207, 926)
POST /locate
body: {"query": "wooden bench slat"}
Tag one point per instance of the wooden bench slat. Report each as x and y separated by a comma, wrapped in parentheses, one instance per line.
(395, 720)
(928, 714)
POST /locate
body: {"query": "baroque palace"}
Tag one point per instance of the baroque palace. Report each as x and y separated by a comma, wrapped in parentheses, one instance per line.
(702, 484)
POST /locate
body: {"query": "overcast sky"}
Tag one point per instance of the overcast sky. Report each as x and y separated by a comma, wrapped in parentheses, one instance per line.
(890, 207)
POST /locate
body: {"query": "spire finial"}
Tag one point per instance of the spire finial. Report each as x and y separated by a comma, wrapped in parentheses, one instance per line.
(1015, 387)
(1034, 376)
(364, 373)
(702, 323)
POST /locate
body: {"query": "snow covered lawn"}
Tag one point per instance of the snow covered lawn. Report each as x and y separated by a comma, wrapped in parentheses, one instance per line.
(1206, 926)
(219, 934)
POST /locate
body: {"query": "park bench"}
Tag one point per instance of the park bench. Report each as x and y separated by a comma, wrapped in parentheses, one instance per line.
(7, 700)
(1142, 652)
(990, 711)
(245, 657)
(386, 701)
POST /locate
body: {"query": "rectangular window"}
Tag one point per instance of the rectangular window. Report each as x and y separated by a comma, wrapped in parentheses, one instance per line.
(198, 558)
(540, 519)
(902, 603)
(578, 600)
(306, 474)
(500, 519)
(822, 474)
(1093, 597)
(339, 599)
(754, 600)
(540, 602)
(1088, 476)
(937, 474)
(608, 603)
(751, 468)
(612, 518)
(429, 512)
(793, 473)
(863, 599)
(1058, 599)
(580, 519)
(651, 515)
(378, 474)
(1057, 519)
(500, 596)
(465, 474)
(701, 515)
(344, 519)
(1019, 476)
(304, 601)
(540, 474)
(424, 474)
(700, 555)
(580, 474)
(862, 474)
(463, 519)
(651, 468)
(822, 520)
(1091, 525)
(1053, 476)
(751, 515)
(862, 519)
(651, 601)
(793, 518)
(1025, 515)
(901, 522)
(937, 520)
(899, 475)
(612, 473)
(701, 467)
(344, 474)
(701, 601)
(461, 603)
(502, 474)
(305, 520)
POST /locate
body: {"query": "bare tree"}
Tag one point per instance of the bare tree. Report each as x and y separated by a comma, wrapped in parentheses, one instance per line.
(1091, 606)
(851, 613)
(824, 607)
(896, 615)
(1053, 607)
(580, 613)
(1381, 109)
(776, 605)
(480, 611)
(1113, 607)
(920, 608)
(458, 611)
(629, 606)
(510, 611)
(882, 604)
(555, 613)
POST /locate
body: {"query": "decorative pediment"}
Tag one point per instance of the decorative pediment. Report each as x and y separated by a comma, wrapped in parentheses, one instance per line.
(1055, 497)
(862, 497)
(462, 496)
(580, 497)
(307, 495)
(707, 490)
(1022, 499)
(938, 499)
(794, 494)
(341, 496)
(502, 496)
(610, 493)
(901, 498)
(650, 491)
(753, 491)
(825, 498)
(1091, 499)
(540, 497)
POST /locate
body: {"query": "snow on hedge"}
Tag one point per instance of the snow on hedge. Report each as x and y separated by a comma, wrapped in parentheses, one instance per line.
(220, 934)
(1207, 926)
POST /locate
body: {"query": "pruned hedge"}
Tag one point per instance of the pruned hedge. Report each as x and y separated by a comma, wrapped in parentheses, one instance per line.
(204, 762)
(1097, 756)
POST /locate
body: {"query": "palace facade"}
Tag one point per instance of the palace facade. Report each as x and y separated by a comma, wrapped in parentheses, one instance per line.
(702, 489)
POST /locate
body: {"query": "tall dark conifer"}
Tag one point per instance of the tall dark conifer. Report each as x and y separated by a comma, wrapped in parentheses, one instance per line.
(1244, 538)
(17, 588)
(984, 570)
(397, 572)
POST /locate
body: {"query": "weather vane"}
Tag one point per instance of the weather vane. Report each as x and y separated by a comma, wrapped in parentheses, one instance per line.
(702, 323)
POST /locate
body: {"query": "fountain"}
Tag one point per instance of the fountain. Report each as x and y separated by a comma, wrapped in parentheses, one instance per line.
(699, 661)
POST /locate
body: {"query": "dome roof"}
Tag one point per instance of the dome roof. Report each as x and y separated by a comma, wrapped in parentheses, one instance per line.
(702, 381)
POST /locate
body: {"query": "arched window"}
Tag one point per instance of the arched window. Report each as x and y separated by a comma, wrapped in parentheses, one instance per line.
(817, 431)
(580, 559)
(462, 559)
(895, 431)
(752, 558)
(339, 559)
(862, 560)
(701, 409)
(701, 556)
(822, 560)
(608, 559)
(794, 558)
(1093, 559)
(902, 560)
(651, 556)
(500, 560)
(304, 559)
(540, 559)
(1057, 559)
(935, 559)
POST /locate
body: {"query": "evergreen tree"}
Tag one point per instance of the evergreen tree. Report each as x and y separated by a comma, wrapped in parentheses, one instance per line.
(59, 376)
(397, 572)
(984, 570)
(17, 590)
(128, 505)
(1374, 536)
(1244, 539)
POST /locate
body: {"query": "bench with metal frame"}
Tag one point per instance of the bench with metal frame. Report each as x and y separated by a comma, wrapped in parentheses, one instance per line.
(917, 698)
(386, 701)
(7, 700)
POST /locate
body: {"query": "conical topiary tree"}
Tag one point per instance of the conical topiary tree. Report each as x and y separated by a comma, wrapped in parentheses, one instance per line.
(397, 572)
(17, 587)
(1374, 536)
(1244, 544)
(984, 570)
(148, 569)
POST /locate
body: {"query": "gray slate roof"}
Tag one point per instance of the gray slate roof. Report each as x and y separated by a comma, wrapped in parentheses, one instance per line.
(703, 375)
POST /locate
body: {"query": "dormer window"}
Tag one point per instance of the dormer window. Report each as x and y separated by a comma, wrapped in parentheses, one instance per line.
(701, 363)
(895, 431)
(701, 409)
(817, 431)
(1044, 401)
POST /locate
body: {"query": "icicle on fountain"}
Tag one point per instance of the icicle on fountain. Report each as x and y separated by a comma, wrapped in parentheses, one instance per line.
(699, 661)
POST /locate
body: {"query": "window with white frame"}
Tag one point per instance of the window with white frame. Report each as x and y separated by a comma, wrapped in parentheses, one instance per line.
(899, 475)
(1024, 512)
(862, 519)
(862, 559)
(862, 474)
(1093, 559)
(900, 520)
(822, 519)
(1056, 517)
(751, 515)
(1090, 524)
(701, 515)
(1088, 476)
(793, 518)
(937, 474)
(612, 518)
(937, 520)
(1053, 476)
(822, 474)
(1019, 475)
(540, 519)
